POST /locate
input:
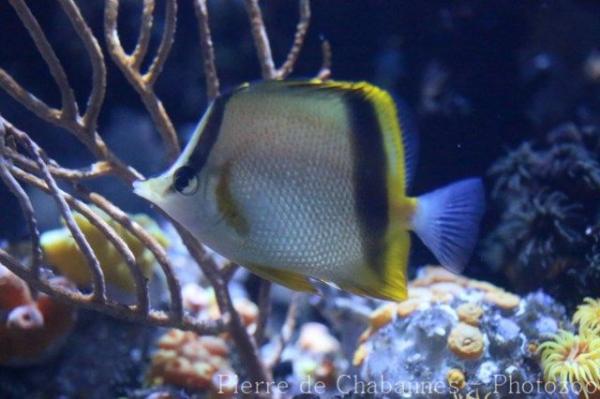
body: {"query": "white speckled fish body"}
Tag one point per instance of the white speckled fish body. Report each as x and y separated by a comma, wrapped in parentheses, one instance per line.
(307, 179)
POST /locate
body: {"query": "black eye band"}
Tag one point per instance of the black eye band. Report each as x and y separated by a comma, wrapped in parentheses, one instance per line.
(185, 181)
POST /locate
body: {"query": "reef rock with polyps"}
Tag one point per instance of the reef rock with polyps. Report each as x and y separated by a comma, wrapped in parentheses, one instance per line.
(455, 337)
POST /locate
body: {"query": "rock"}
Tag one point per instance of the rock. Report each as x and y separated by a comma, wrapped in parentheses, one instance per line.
(456, 335)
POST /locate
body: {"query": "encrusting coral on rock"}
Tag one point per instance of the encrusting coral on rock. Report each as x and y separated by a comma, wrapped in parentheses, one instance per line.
(202, 304)
(466, 341)
(197, 363)
(61, 251)
(31, 329)
(316, 355)
(455, 335)
(470, 313)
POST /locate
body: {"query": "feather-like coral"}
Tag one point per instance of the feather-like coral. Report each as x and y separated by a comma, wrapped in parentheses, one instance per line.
(548, 221)
(572, 359)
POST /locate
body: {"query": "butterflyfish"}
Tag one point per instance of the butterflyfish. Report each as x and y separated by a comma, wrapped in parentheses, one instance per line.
(305, 180)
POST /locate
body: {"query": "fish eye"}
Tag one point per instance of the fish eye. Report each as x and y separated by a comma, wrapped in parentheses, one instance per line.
(186, 181)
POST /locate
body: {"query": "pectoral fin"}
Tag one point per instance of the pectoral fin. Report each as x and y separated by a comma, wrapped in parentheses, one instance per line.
(294, 281)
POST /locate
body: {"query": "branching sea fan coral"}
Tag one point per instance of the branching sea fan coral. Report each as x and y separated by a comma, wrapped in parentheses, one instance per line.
(126, 261)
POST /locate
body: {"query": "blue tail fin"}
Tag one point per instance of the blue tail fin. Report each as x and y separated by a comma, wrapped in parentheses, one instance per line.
(447, 221)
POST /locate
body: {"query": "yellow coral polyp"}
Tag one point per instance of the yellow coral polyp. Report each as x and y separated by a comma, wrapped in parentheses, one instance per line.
(61, 251)
(456, 379)
(572, 359)
(587, 316)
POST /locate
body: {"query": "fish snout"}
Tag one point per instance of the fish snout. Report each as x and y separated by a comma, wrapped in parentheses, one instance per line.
(143, 188)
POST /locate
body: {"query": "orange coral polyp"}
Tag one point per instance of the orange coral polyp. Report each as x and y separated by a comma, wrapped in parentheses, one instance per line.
(33, 329)
(466, 341)
(25, 317)
(189, 361)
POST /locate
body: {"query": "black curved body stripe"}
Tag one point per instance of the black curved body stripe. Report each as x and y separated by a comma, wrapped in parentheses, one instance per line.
(370, 178)
(209, 135)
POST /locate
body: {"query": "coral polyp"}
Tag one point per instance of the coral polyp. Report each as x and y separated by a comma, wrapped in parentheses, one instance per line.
(587, 316)
(572, 359)
(32, 327)
(476, 337)
(62, 252)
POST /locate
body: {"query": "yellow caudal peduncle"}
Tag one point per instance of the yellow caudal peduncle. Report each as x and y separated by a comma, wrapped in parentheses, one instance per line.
(404, 211)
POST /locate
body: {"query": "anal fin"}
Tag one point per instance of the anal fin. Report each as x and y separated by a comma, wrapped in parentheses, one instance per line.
(291, 280)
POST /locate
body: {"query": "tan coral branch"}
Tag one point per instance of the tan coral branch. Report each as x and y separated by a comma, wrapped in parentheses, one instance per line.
(287, 330)
(244, 341)
(84, 128)
(24, 203)
(39, 156)
(301, 30)
(261, 39)
(94, 171)
(156, 318)
(141, 48)
(130, 65)
(208, 52)
(69, 105)
(131, 226)
(263, 46)
(176, 310)
(106, 229)
(264, 304)
(27, 99)
(325, 71)
(96, 99)
(166, 42)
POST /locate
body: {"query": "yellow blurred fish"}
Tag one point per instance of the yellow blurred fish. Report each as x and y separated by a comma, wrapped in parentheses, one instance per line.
(307, 179)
